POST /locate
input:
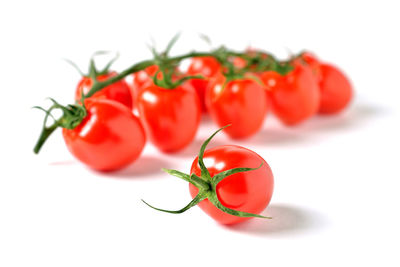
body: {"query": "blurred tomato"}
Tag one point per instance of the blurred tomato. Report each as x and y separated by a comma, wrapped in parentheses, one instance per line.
(208, 67)
(118, 91)
(170, 116)
(294, 97)
(240, 102)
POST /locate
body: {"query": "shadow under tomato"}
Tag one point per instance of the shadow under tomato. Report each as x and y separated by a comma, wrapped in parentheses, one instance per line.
(64, 163)
(355, 116)
(274, 137)
(145, 166)
(286, 219)
(192, 150)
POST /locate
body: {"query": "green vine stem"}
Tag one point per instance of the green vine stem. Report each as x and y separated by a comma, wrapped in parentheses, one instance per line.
(207, 185)
(72, 116)
(75, 113)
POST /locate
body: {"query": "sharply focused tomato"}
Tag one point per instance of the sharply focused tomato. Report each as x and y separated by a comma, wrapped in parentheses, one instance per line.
(170, 117)
(294, 97)
(208, 67)
(241, 103)
(109, 137)
(244, 191)
(230, 183)
(118, 91)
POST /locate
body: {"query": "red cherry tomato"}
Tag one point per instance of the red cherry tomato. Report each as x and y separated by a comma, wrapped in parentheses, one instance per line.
(336, 90)
(109, 137)
(245, 191)
(208, 67)
(241, 103)
(118, 91)
(335, 87)
(294, 97)
(170, 116)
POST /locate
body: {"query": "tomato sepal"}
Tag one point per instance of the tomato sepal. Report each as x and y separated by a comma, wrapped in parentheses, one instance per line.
(72, 116)
(207, 185)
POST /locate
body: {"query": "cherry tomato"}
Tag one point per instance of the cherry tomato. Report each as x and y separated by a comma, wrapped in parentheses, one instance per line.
(109, 137)
(239, 62)
(294, 97)
(170, 117)
(118, 91)
(241, 103)
(335, 87)
(336, 90)
(208, 67)
(244, 191)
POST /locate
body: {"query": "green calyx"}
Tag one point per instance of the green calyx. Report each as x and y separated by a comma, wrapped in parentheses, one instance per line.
(207, 185)
(72, 116)
(93, 72)
(167, 67)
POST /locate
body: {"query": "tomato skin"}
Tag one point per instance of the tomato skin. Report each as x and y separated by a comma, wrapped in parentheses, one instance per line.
(170, 117)
(295, 97)
(241, 103)
(246, 191)
(110, 137)
(208, 67)
(142, 79)
(336, 90)
(118, 91)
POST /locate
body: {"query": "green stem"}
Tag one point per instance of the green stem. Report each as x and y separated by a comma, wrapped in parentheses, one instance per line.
(46, 132)
(140, 66)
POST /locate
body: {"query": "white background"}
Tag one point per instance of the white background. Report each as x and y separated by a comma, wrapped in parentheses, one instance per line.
(336, 200)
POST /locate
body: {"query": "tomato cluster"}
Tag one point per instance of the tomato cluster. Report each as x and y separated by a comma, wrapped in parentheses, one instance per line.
(234, 88)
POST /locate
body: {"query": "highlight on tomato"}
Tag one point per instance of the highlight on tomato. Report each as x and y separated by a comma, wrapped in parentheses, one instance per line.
(230, 183)
(336, 89)
(143, 78)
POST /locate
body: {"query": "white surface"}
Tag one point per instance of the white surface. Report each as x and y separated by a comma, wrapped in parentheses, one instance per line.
(336, 199)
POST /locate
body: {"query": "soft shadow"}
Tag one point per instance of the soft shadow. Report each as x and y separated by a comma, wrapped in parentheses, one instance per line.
(145, 166)
(286, 219)
(354, 117)
(192, 150)
(66, 162)
(274, 137)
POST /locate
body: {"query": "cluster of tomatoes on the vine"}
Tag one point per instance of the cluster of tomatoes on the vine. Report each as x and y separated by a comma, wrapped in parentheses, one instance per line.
(234, 88)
